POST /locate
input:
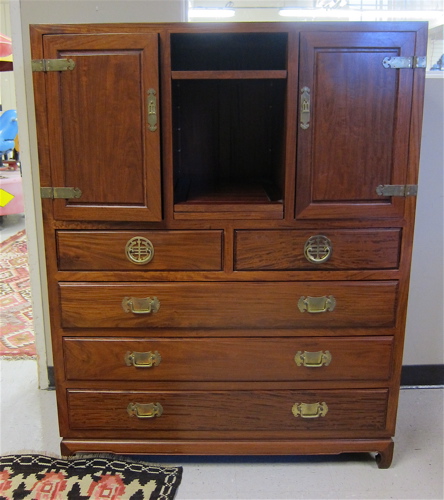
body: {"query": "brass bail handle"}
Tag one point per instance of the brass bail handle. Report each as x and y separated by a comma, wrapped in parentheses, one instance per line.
(146, 305)
(310, 410)
(143, 359)
(316, 305)
(313, 359)
(149, 410)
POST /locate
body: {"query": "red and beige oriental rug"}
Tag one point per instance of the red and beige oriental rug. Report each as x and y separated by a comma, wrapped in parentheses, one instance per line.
(16, 325)
(39, 477)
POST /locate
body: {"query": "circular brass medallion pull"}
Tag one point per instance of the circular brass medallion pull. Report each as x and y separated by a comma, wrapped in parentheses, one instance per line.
(139, 250)
(310, 410)
(317, 249)
(140, 410)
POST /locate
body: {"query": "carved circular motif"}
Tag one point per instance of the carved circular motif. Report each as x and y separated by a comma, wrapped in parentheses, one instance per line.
(139, 250)
(317, 249)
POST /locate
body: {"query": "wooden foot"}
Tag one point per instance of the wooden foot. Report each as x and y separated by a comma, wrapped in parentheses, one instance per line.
(384, 457)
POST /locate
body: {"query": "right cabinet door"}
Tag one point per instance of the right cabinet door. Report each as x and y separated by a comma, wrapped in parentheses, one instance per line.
(354, 123)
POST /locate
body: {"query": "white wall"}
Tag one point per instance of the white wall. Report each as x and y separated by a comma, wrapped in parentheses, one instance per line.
(425, 324)
(424, 340)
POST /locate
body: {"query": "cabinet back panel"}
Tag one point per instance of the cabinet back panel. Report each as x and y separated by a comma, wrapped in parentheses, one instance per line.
(228, 133)
(228, 51)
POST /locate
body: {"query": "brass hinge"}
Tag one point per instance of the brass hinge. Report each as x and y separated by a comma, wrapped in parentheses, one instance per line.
(52, 64)
(397, 190)
(60, 192)
(405, 62)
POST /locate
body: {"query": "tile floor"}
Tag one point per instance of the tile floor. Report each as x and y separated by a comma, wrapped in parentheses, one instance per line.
(11, 224)
(28, 422)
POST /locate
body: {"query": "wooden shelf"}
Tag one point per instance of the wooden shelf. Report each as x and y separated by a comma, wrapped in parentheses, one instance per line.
(233, 199)
(230, 75)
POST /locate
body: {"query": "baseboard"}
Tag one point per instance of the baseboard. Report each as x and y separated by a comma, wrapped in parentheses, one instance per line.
(51, 379)
(411, 376)
(422, 376)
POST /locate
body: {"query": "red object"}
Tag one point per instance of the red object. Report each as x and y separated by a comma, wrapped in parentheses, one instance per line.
(5, 46)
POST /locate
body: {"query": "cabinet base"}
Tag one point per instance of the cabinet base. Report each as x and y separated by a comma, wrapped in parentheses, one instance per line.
(383, 448)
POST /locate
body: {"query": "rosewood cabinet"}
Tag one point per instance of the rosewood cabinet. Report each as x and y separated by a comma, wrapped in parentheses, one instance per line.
(228, 214)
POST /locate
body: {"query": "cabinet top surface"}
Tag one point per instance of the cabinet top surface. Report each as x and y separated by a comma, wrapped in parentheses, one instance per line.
(231, 27)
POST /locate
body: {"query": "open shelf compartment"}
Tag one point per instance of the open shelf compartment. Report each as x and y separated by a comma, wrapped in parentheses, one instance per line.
(229, 144)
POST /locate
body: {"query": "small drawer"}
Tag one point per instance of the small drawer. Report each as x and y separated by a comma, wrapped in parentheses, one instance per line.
(227, 305)
(278, 250)
(243, 410)
(228, 359)
(141, 250)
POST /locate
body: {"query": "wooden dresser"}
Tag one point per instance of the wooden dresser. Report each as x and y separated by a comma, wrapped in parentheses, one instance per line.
(228, 214)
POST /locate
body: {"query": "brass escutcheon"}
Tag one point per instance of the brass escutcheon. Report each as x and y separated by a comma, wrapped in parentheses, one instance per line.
(305, 108)
(152, 110)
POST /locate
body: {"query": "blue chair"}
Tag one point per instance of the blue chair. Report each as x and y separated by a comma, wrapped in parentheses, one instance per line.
(8, 131)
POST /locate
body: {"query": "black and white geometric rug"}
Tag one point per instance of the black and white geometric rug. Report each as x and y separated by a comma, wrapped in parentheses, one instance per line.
(92, 477)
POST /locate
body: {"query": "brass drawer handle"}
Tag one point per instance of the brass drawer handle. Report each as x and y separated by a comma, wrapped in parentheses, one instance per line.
(145, 305)
(313, 359)
(139, 250)
(142, 359)
(317, 249)
(315, 305)
(310, 410)
(149, 410)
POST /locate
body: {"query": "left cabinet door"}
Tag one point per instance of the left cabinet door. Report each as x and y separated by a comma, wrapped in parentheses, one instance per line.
(103, 126)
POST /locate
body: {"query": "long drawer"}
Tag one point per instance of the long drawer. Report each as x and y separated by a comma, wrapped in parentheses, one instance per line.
(228, 359)
(127, 250)
(277, 410)
(229, 305)
(331, 250)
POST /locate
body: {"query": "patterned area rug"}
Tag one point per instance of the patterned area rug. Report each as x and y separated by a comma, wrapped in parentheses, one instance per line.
(112, 478)
(16, 325)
